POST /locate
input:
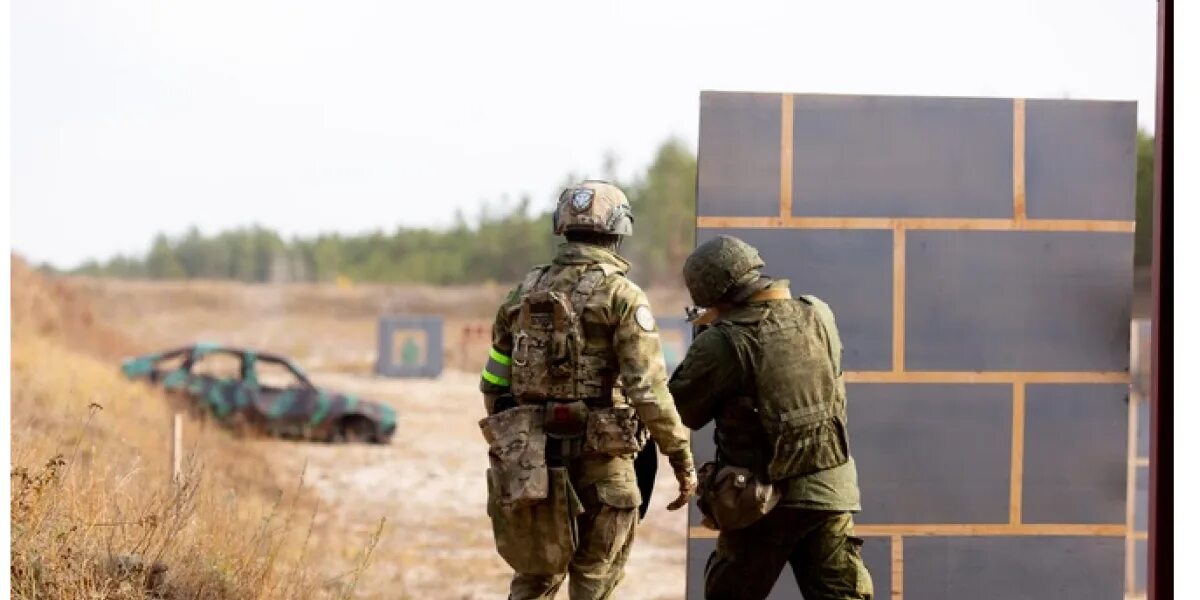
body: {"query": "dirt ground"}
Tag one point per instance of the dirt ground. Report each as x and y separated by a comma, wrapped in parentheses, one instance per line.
(429, 486)
(429, 482)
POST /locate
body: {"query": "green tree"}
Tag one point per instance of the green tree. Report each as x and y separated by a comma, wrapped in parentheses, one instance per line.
(1144, 200)
(162, 263)
(664, 204)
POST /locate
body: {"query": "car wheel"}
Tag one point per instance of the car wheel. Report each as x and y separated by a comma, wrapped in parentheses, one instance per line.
(354, 430)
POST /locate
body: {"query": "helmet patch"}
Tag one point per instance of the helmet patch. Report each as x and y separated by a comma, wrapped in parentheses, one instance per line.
(644, 318)
(581, 199)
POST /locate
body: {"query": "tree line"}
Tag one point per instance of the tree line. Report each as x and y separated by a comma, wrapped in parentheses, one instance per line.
(499, 244)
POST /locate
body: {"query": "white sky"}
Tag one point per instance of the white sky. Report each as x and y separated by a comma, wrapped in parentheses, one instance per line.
(130, 118)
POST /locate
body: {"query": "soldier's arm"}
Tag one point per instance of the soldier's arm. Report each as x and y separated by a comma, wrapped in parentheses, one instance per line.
(644, 373)
(494, 381)
(709, 373)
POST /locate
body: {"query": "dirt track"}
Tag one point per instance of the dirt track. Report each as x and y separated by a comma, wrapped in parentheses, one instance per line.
(429, 485)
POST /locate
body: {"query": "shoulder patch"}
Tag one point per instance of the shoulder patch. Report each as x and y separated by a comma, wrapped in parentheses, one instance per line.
(610, 270)
(644, 318)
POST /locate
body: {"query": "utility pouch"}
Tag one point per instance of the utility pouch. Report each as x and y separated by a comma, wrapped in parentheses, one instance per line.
(549, 341)
(517, 453)
(539, 538)
(807, 441)
(566, 420)
(613, 431)
(732, 498)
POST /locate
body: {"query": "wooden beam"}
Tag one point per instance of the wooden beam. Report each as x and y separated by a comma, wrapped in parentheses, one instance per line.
(923, 223)
(897, 568)
(967, 530)
(1026, 377)
(1018, 454)
(785, 155)
(1019, 159)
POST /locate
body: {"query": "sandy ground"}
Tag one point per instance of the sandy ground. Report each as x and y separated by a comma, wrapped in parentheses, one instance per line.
(429, 486)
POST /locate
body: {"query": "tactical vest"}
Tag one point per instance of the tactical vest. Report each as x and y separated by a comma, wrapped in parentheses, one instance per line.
(792, 420)
(556, 354)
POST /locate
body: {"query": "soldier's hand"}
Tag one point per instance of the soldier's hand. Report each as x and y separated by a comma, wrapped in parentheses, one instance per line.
(687, 487)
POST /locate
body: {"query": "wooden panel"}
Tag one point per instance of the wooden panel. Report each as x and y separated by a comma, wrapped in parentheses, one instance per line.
(985, 360)
(1080, 158)
(1075, 454)
(1141, 503)
(897, 431)
(1143, 428)
(1004, 568)
(739, 154)
(864, 156)
(1020, 301)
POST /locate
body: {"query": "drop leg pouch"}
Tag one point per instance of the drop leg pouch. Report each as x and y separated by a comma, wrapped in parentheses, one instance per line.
(538, 538)
(517, 454)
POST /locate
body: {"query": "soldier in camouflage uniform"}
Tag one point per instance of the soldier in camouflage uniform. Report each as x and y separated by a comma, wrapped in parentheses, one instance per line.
(576, 364)
(767, 369)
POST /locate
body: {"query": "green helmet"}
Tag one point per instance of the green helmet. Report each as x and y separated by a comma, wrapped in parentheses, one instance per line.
(593, 206)
(719, 265)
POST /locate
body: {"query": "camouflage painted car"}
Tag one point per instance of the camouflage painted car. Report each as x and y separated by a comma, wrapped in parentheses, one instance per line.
(286, 405)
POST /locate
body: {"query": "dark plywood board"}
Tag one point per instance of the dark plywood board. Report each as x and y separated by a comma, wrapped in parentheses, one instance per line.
(1075, 457)
(932, 453)
(698, 551)
(1141, 563)
(1004, 568)
(1143, 428)
(892, 156)
(849, 270)
(1079, 159)
(739, 154)
(1017, 301)
(876, 554)
(1141, 503)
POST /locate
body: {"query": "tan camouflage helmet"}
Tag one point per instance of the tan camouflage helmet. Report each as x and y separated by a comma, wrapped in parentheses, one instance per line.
(593, 206)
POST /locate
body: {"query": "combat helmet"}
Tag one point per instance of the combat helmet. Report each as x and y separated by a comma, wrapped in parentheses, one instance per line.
(596, 206)
(718, 266)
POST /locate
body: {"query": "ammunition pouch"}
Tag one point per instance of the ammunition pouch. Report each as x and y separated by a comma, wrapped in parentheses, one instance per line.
(732, 498)
(614, 431)
(805, 442)
(538, 538)
(517, 453)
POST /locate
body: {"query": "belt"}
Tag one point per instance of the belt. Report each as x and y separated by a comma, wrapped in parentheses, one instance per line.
(561, 450)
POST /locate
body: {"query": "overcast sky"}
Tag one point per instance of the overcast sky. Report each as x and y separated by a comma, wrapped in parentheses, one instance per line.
(130, 118)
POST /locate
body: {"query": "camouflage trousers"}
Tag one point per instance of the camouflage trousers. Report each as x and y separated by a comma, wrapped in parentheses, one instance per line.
(825, 557)
(608, 491)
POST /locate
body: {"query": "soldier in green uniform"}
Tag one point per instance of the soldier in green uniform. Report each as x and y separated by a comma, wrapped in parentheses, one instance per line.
(767, 368)
(574, 385)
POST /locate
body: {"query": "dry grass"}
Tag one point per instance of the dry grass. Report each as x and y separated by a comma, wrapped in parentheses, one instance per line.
(94, 511)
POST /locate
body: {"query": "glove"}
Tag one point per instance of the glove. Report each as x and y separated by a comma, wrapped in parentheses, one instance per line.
(685, 474)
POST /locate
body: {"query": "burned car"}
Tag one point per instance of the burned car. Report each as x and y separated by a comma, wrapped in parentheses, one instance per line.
(262, 392)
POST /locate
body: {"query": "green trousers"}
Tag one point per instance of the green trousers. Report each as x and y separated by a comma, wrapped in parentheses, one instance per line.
(820, 546)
